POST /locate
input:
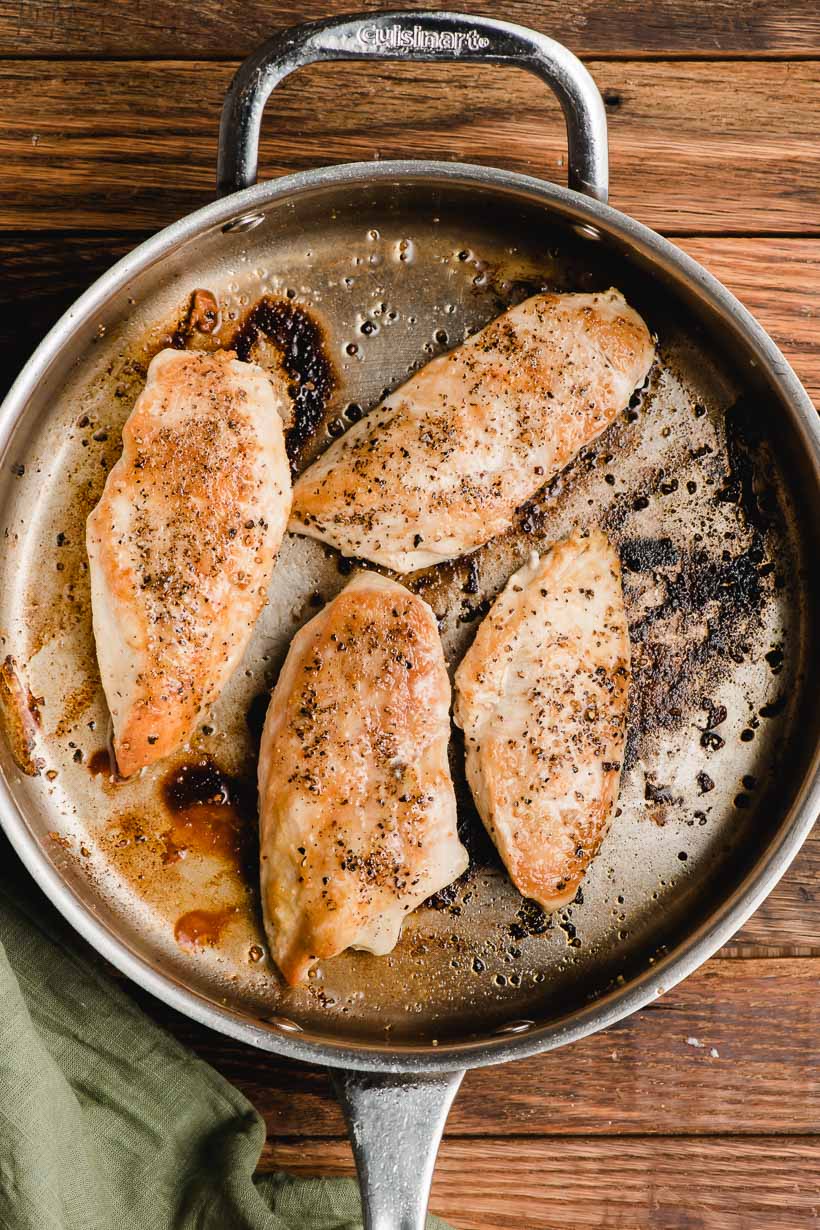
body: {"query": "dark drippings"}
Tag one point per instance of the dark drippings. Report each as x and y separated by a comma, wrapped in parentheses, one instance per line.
(724, 593)
(716, 715)
(530, 919)
(647, 554)
(569, 929)
(445, 898)
(775, 658)
(471, 584)
(300, 344)
(201, 927)
(747, 452)
(773, 708)
(213, 814)
(657, 793)
(100, 763)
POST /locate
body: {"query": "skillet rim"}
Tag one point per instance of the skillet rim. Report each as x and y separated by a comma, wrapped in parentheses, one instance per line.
(704, 941)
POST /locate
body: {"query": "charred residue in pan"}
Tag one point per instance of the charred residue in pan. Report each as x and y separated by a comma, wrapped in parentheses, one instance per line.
(212, 813)
(201, 315)
(299, 342)
(200, 893)
(278, 333)
(712, 596)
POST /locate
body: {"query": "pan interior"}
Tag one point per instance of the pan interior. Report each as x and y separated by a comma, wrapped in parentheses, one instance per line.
(694, 483)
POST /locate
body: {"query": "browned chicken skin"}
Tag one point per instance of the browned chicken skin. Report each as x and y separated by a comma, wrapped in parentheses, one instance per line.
(442, 464)
(357, 809)
(182, 544)
(541, 696)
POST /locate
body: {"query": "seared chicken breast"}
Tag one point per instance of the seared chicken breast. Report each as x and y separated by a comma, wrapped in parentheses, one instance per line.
(541, 696)
(442, 464)
(182, 544)
(356, 806)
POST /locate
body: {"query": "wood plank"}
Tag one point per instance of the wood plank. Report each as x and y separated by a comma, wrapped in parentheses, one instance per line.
(788, 921)
(779, 282)
(767, 1183)
(42, 276)
(230, 28)
(735, 1048)
(694, 148)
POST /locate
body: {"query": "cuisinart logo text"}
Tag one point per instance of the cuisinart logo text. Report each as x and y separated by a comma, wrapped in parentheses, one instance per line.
(400, 38)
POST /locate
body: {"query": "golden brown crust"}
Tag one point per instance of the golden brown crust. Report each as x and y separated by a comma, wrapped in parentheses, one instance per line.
(443, 463)
(357, 810)
(182, 545)
(542, 697)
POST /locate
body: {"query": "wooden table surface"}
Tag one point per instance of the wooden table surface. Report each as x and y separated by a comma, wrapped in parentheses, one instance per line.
(109, 117)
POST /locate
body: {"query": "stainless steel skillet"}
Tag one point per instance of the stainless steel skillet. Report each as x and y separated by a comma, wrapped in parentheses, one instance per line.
(710, 484)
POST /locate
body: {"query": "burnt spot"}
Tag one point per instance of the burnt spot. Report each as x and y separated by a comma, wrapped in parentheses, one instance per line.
(300, 343)
(714, 604)
(749, 463)
(101, 763)
(530, 919)
(715, 714)
(569, 929)
(775, 658)
(647, 554)
(472, 611)
(730, 586)
(445, 898)
(657, 793)
(201, 315)
(212, 813)
(472, 581)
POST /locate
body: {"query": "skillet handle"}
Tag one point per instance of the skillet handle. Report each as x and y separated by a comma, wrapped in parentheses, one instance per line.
(395, 1124)
(428, 36)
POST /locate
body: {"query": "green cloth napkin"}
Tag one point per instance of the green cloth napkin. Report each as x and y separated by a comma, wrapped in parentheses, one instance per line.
(106, 1122)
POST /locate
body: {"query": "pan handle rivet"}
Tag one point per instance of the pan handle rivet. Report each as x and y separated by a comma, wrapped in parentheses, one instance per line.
(285, 1024)
(515, 1027)
(247, 222)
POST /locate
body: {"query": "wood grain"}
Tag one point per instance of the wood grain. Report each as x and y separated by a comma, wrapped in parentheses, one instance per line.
(655, 1073)
(234, 27)
(666, 1183)
(694, 148)
(779, 282)
(788, 921)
